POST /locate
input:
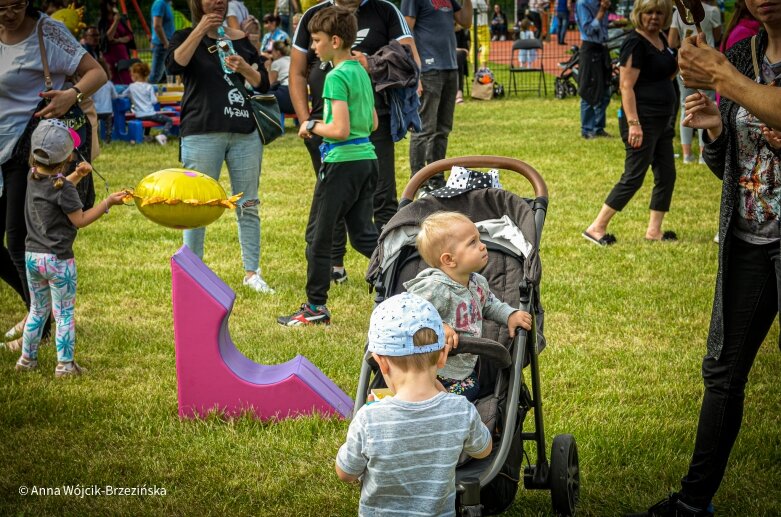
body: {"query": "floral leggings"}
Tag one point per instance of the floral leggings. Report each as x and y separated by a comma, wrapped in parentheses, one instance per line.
(52, 283)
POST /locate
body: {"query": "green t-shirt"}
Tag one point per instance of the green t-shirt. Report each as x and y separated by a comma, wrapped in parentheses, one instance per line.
(349, 82)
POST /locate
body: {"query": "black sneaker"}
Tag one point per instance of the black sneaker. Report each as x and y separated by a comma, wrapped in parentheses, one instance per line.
(306, 315)
(338, 277)
(672, 506)
(602, 134)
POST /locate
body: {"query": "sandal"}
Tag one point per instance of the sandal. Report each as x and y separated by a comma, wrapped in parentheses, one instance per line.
(606, 240)
(15, 331)
(14, 346)
(668, 236)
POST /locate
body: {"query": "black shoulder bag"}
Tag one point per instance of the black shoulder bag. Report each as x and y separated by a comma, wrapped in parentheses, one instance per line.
(265, 111)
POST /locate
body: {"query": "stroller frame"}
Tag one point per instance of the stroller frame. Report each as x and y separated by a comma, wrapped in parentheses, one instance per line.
(562, 475)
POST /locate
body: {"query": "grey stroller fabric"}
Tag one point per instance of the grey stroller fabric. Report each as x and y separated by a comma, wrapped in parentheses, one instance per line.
(504, 272)
(478, 205)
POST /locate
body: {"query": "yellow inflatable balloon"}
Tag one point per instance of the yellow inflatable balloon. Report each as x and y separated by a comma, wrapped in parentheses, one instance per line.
(181, 198)
(72, 18)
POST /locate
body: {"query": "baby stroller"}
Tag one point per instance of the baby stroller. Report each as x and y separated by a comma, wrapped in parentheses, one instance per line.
(488, 486)
(567, 83)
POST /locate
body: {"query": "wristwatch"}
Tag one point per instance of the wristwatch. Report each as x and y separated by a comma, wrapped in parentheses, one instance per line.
(79, 95)
(310, 125)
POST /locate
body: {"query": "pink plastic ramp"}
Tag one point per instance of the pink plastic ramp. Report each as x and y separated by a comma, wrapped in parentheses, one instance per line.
(213, 374)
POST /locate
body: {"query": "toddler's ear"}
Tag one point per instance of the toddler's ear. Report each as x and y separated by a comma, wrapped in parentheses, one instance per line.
(442, 358)
(446, 260)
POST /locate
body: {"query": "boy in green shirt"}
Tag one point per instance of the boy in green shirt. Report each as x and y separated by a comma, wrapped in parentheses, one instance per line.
(349, 164)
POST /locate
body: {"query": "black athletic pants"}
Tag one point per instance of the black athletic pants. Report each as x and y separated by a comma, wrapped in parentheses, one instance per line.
(385, 200)
(657, 153)
(343, 196)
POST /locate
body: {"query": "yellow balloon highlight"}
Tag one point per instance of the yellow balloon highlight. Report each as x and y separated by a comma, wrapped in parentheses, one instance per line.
(182, 198)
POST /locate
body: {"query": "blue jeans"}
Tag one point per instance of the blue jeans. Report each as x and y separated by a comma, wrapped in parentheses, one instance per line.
(561, 30)
(592, 118)
(157, 74)
(243, 155)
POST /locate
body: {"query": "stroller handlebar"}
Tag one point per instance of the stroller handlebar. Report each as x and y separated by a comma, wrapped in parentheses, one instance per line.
(498, 162)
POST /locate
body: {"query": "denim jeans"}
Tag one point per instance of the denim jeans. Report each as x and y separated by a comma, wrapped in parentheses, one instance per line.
(157, 74)
(752, 284)
(592, 118)
(167, 123)
(561, 32)
(243, 155)
(436, 117)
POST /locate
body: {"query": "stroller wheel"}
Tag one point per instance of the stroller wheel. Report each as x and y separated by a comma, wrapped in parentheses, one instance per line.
(572, 89)
(560, 90)
(564, 475)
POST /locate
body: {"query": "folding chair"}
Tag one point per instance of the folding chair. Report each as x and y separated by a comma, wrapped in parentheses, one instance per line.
(515, 68)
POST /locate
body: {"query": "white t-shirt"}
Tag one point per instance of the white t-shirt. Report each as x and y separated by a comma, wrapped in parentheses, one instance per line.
(143, 97)
(481, 6)
(238, 9)
(21, 76)
(102, 98)
(282, 67)
(711, 21)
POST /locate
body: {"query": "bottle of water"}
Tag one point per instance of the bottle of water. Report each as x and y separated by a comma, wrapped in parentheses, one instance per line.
(224, 49)
(620, 113)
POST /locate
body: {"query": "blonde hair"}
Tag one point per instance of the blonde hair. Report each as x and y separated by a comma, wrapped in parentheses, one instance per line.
(54, 172)
(418, 362)
(646, 6)
(434, 235)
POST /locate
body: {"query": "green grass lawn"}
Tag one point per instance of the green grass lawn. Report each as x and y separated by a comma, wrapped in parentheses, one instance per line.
(626, 329)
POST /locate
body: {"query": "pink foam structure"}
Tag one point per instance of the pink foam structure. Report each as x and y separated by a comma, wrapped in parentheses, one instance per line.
(212, 374)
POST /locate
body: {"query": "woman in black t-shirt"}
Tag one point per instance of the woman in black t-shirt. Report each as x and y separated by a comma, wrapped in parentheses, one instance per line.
(216, 122)
(648, 67)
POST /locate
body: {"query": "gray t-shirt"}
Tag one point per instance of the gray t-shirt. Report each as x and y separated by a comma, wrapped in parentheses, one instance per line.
(434, 32)
(406, 453)
(48, 228)
(461, 307)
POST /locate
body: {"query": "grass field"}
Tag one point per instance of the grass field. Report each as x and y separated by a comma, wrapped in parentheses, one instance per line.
(626, 329)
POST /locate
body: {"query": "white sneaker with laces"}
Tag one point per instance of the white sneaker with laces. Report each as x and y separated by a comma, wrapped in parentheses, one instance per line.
(161, 139)
(257, 284)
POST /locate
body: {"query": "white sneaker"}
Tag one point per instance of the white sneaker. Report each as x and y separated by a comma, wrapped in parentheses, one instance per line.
(257, 284)
(161, 139)
(701, 161)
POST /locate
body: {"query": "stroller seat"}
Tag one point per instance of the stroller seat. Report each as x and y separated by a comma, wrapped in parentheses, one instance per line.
(488, 486)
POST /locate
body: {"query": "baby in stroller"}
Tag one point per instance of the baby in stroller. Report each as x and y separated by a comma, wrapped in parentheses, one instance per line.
(450, 243)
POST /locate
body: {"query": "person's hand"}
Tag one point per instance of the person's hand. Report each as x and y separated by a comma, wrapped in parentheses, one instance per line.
(635, 137)
(361, 58)
(451, 338)
(117, 198)
(208, 22)
(60, 101)
(772, 136)
(700, 64)
(83, 169)
(420, 88)
(237, 63)
(519, 319)
(302, 132)
(604, 5)
(701, 113)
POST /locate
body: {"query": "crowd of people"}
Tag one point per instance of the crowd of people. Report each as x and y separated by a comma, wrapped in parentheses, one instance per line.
(326, 75)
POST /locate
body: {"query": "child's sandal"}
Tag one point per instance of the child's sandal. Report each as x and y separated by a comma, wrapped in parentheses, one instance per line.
(15, 331)
(15, 345)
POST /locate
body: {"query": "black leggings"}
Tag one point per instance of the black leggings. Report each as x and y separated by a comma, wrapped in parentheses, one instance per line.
(656, 152)
(751, 301)
(13, 230)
